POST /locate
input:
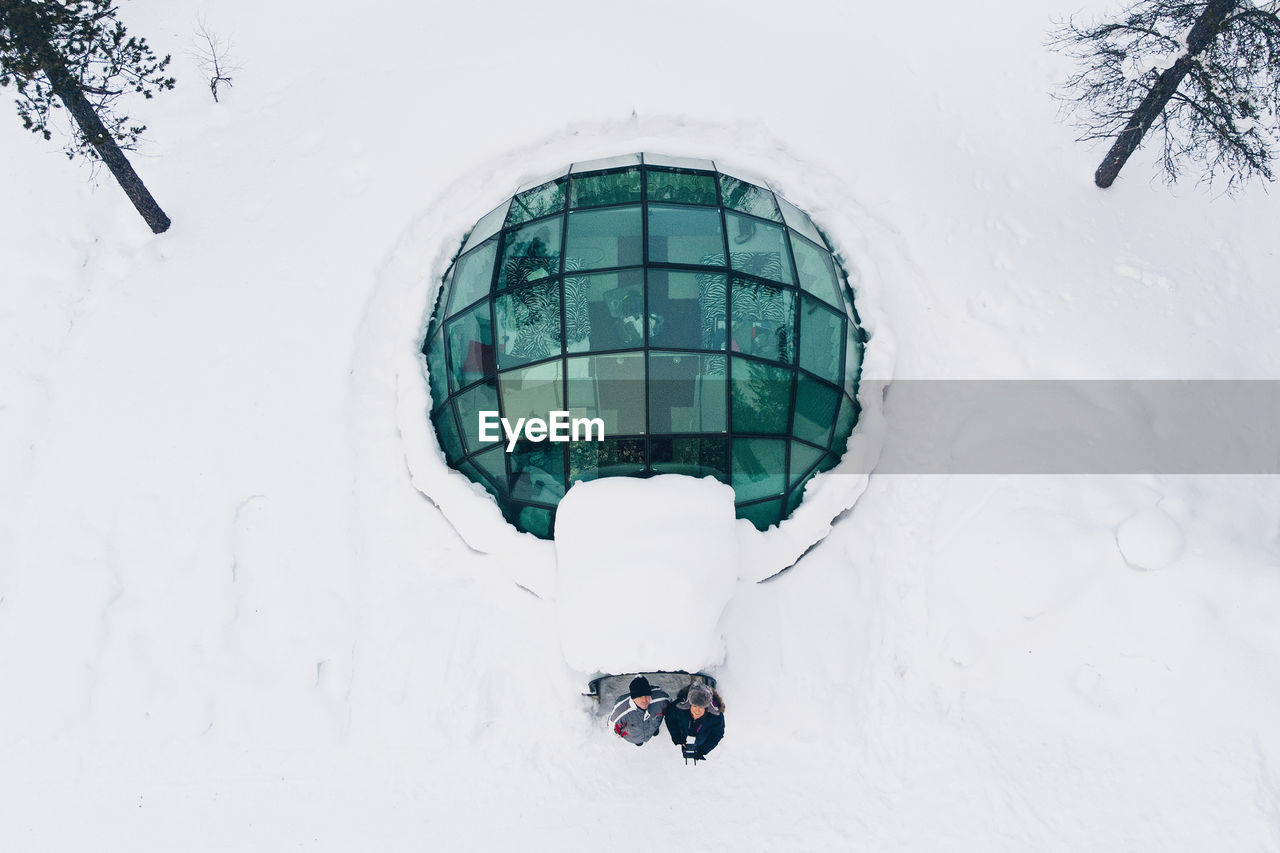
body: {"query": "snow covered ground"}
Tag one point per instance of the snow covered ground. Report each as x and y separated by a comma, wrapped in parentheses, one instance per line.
(229, 620)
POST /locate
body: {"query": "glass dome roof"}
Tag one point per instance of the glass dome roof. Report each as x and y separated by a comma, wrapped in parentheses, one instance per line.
(702, 319)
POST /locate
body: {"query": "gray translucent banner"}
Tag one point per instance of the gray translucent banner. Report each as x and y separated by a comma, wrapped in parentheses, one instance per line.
(1074, 427)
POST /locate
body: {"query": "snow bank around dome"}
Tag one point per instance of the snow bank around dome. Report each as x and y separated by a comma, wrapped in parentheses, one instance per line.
(645, 569)
(870, 250)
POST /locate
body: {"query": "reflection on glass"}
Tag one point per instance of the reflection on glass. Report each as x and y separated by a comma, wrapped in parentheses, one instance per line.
(692, 456)
(686, 235)
(596, 190)
(759, 468)
(697, 315)
(599, 239)
(604, 311)
(539, 201)
(761, 396)
(537, 472)
(687, 310)
(686, 393)
(537, 520)
(490, 224)
(436, 370)
(469, 405)
(758, 248)
(528, 324)
(803, 458)
(680, 187)
(613, 457)
(763, 321)
(762, 515)
(447, 431)
(748, 198)
(817, 272)
(609, 387)
(799, 220)
(816, 405)
(470, 346)
(532, 392)
(531, 253)
(491, 466)
(844, 424)
(821, 334)
(472, 276)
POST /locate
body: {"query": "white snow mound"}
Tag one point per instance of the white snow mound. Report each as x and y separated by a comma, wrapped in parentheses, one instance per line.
(644, 571)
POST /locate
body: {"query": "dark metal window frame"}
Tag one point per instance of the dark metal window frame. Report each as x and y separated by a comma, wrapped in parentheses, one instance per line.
(829, 455)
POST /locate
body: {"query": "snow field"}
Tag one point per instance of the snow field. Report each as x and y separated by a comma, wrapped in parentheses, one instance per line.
(231, 617)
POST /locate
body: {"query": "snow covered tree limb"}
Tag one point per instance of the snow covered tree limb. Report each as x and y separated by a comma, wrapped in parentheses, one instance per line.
(1217, 102)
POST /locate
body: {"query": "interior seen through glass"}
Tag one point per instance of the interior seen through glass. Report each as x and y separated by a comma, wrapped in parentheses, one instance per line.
(702, 318)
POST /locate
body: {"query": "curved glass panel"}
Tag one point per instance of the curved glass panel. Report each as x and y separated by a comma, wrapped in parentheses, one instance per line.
(697, 321)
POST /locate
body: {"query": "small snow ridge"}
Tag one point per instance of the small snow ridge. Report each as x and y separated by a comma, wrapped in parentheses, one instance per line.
(1149, 540)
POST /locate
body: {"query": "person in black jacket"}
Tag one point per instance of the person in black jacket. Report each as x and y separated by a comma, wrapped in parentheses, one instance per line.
(696, 720)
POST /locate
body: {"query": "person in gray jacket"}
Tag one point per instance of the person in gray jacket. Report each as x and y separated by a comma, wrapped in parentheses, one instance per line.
(637, 716)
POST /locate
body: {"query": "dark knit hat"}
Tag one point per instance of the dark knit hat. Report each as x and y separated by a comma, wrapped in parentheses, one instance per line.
(640, 687)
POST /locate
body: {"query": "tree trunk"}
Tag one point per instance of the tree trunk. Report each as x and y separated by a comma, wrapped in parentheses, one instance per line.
(68, 90)
(1204, 32)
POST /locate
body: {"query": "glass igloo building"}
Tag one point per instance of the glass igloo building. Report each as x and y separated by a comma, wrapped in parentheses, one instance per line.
(701, 318)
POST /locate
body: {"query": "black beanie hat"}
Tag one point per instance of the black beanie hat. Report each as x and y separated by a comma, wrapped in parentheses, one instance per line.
(640, 687)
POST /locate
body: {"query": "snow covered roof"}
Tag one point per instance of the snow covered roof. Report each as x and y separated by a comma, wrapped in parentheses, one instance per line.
(701, 318)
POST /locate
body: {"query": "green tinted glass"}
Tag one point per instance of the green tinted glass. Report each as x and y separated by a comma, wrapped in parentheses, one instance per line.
(528, 324)
(816, 406)
(613, 457)
(537, 472)
(759, 467)
(531, 253)
(469, 404)
(763, 321)
(609, 387)
(604, 311)
(845, 422)
(762, 515)
(447, 431)
(686, 235)
(537, 520)
(817, 271)
(803, 458)
(690, 455)
(748, 198)
(761, 396)
(599, 239)
(821, 335)
(539, 201)
(687, 393)
(493, 465)
(472, 276)
(436, 370)
(532, 392)
(596, 190)
(758, 248)
(680, 187)
(470, 346)
(687, 310)
(799, 220)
